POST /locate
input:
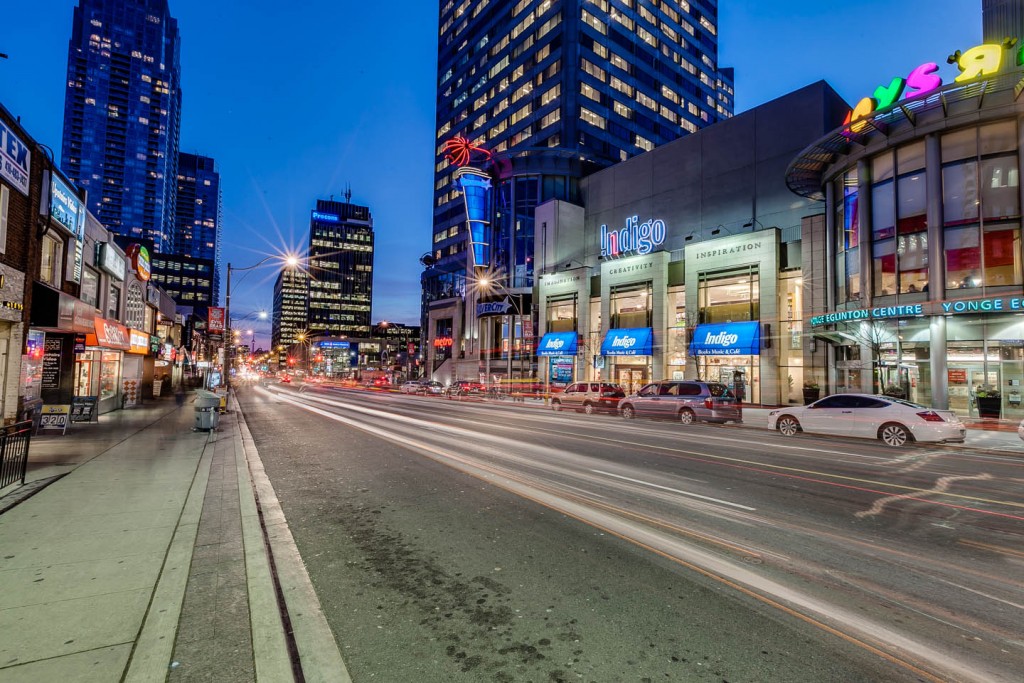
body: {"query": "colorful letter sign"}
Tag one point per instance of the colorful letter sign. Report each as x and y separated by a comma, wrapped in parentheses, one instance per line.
(635, 238)
(978, 62)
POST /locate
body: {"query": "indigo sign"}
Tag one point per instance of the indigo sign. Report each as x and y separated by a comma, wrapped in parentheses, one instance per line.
(635, 238)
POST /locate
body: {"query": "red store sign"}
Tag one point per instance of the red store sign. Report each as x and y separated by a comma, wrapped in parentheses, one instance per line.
(109, 334)
(443, 342)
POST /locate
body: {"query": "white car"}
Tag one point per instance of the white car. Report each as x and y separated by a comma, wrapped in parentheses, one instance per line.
(892, 420)
(1020, 430)
(411, 387)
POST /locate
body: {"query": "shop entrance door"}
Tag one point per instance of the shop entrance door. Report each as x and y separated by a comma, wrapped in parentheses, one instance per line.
(631, 379)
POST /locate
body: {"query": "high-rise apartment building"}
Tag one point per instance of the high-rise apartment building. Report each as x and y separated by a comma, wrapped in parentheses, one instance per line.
(537, 94)
(340, 269)
(121, 115)
(1001, 19)
(199, 212)
(291, 314)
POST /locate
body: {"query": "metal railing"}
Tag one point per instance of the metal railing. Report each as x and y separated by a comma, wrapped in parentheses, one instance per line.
(14, 442)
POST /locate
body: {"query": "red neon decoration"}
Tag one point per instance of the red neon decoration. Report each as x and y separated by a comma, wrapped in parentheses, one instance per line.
(459, 150)
(443, 342)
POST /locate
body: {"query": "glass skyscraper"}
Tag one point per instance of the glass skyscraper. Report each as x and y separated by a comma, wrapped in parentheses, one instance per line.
(539, 93)
(340, 269)
(291, 314)
(199, 212)
(122, 111)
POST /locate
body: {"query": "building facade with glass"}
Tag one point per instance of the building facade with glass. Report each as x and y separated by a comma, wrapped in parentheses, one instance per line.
(920, 258)
(199, 214)
(122, 113)
(538, 94)
(340, 269)
(685, 262)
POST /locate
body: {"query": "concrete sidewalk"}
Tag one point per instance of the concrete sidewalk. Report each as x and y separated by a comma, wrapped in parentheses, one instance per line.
(147, 561)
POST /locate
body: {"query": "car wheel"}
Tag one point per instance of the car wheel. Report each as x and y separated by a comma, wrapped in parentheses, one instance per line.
(788, 425)
(556, 405)
(628, 412)
(894, 435)
(687, 417)
(588, 408)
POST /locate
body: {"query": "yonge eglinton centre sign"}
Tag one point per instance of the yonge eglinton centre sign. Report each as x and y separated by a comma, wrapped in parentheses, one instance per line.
(999, 304)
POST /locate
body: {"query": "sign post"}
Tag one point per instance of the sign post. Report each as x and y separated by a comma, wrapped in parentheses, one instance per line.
(54, 418)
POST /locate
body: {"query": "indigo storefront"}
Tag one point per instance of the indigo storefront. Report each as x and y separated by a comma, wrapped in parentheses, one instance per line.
(921, 243)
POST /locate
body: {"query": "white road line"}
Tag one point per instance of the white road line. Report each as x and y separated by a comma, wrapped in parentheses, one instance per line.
(680, 492)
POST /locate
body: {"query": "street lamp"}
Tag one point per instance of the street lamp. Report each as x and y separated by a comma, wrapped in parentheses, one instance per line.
(289, 260)
(490, 285)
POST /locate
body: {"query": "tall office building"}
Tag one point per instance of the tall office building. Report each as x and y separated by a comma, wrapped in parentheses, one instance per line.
(1001, 19)
(340, 269)
(121, 115)
(538, 94)
(199, 212)
(291, 314)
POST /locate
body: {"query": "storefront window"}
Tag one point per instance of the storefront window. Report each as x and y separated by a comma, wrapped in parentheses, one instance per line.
(884, 275)
(791, 339)
(981, 205)
(51, 263)
(87, 374)
(90, 287)
(727, 297)
(899, 222)
(110, 374)
(561, 314)
(114, 302)
(848, 238)
(631, 306)
(676, 337)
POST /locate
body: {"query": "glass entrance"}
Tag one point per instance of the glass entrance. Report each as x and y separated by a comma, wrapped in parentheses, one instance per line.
(631, 378)
(739, 373)
(973, 375)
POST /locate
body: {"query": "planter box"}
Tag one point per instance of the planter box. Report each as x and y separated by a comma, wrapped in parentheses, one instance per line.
(989, 407)
(811, 395)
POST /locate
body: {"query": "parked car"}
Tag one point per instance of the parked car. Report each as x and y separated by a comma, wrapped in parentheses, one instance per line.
(413, 386)
(431, 387)
(686, 401)
(590, 397)
(464, 388)
(891, 420)
(1020, 430)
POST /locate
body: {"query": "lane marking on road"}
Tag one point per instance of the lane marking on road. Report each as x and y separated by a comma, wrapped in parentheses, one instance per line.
(1010, 552)
(740, 463)
(940, 488)
(679, 491)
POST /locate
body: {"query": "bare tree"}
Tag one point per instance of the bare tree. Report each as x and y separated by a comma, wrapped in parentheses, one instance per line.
(873, 336)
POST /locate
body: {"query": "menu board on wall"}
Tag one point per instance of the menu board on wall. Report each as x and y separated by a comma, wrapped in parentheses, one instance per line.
(51, 363)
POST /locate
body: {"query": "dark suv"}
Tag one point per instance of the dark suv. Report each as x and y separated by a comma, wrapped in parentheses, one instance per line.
(464, 388)
(685, 401)
(589, 397)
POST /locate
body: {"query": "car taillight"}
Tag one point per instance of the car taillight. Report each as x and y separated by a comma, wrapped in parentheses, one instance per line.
(930, 416)
(709, 403)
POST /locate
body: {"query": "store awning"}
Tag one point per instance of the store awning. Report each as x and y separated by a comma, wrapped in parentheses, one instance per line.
(727, 339)
(629, 341)
(110, 335)
(558, 344)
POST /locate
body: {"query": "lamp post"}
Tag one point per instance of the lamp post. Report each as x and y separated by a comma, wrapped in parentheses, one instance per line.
(291, 261)
(514, 300)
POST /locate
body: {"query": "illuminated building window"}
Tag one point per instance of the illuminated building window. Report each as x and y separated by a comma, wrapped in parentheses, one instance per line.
(588, 91)
(622, 110)
(592, 118)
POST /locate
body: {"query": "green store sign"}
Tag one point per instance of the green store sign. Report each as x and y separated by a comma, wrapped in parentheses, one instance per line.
(1000, 304)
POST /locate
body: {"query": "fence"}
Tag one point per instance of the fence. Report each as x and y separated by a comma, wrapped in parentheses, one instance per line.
(14, 452)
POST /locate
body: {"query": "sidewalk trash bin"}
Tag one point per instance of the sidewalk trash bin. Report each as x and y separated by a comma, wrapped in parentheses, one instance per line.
(207, 417)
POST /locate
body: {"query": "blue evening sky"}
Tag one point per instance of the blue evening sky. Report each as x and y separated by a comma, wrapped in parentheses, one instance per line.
(297, 99)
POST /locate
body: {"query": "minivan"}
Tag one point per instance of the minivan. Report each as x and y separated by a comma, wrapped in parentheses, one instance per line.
(686, 401)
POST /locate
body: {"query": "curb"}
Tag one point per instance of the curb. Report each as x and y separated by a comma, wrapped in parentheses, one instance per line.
(320, 659)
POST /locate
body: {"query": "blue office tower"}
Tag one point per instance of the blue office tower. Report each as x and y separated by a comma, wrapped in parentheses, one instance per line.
(122, 111)
(199, 212)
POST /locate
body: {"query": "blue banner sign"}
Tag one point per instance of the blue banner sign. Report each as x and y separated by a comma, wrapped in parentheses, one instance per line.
(632, 341)
(335, 344)
(15, 159)
(727, 339)
(492, 308)
(558, 344)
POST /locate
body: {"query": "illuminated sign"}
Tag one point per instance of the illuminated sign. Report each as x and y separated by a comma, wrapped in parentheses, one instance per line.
(326, 217)
(727, 339)
(140, 262)
(459, 151)
(476, 193)
(68, 210)
(879, 312)
(979, 61)
(335, 344)
(216, 316)
(992, 305)
(492, 308)
(111, 261)
(15, 159)
(636, 237)
(634, 341)
(443, 342)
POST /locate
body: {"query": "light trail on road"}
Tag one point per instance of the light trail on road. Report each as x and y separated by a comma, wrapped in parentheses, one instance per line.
(498, 460)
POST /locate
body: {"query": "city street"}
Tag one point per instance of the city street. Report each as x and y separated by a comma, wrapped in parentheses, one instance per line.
(453, 540)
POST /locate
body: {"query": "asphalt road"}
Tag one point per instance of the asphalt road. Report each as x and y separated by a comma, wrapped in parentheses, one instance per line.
(480, 541)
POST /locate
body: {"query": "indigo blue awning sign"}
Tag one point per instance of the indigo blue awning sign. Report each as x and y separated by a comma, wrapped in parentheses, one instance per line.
(727, 339)
(631, 341)
(558, 344)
